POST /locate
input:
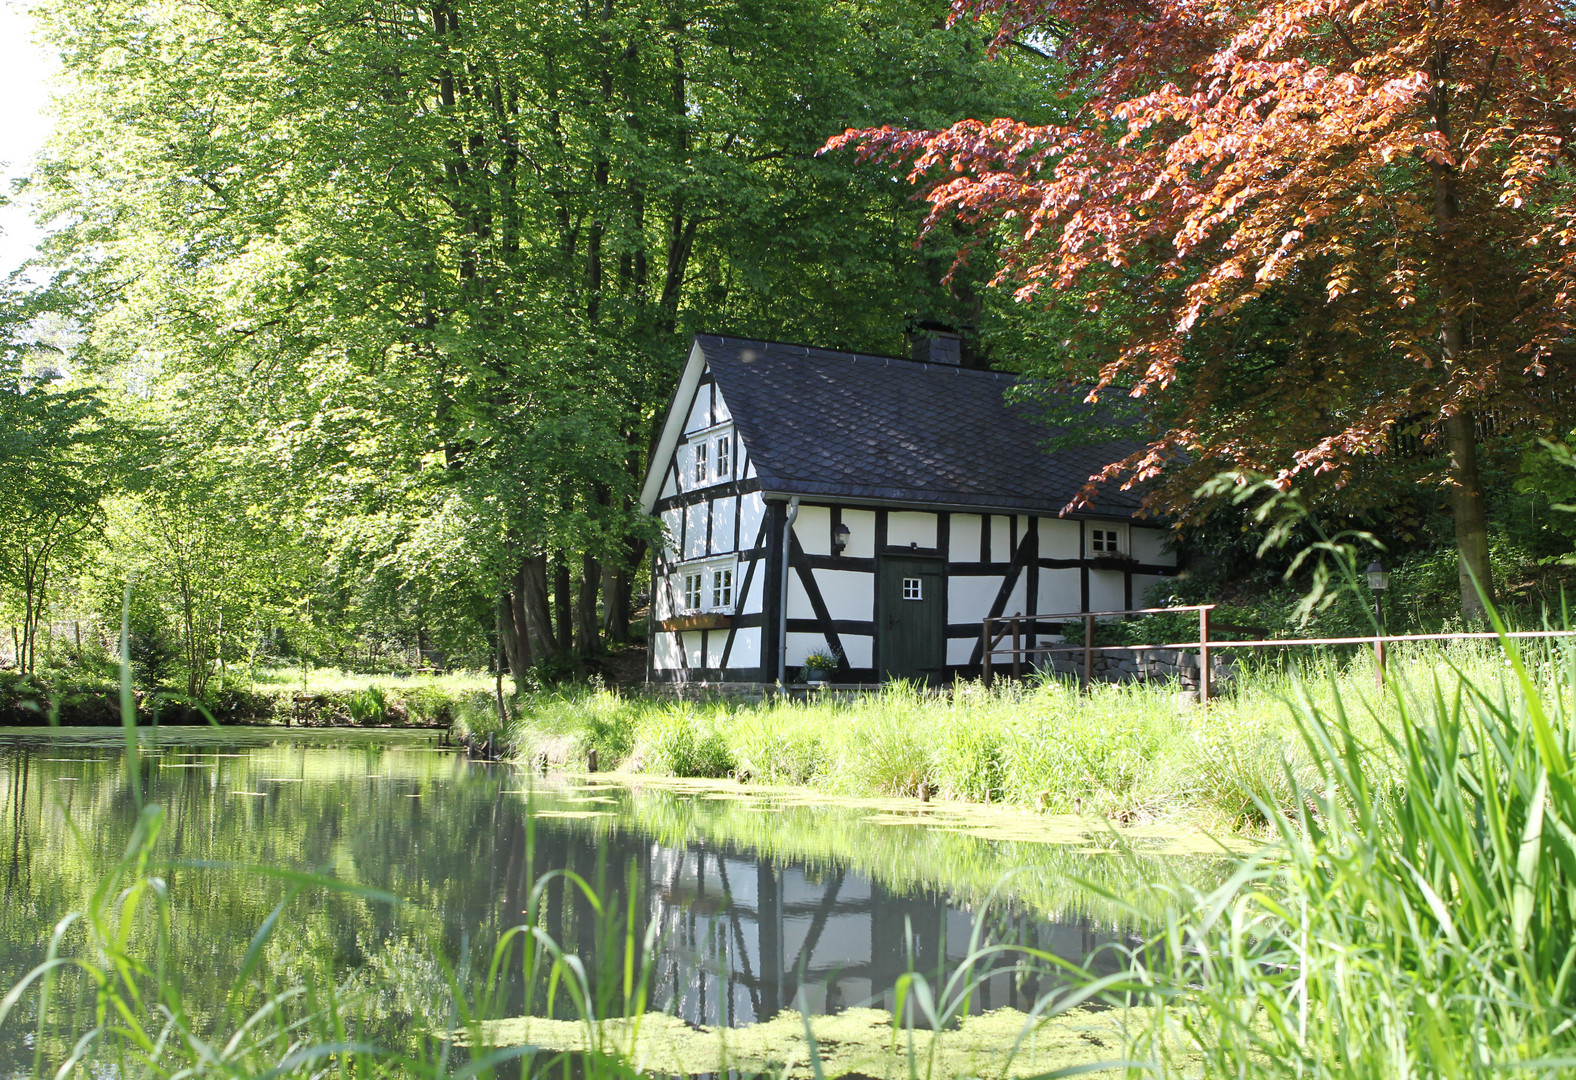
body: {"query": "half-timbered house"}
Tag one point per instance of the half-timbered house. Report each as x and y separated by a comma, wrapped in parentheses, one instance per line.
(873, 508)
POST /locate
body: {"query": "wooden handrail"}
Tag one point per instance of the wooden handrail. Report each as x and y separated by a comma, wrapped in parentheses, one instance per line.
(990, 645)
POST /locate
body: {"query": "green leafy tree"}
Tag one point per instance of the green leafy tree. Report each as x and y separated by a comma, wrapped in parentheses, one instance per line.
(434, 265)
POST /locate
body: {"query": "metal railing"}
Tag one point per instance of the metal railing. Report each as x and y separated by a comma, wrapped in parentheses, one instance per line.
(1014, 624)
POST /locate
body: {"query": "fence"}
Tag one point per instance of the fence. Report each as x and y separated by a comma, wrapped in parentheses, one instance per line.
(1204, 645)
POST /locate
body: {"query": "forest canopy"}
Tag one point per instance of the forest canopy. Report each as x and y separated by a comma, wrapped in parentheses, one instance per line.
(392, 294)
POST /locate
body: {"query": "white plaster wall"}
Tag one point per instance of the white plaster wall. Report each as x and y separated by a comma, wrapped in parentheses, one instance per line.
(959, 650)
(695, 531)
(963, 543)
(749, 469)
(861, 533)
(746, 648)
(849, 594)
(1149, 547)
(662, 598)
(723, 511)
(720, 413)
(1018, 598)
(669, 488)
(1107, 590)
(1060, 591)
(751, 602)
(802, 645)
(858, 649)
(1058, 539)
(716, 642)
(752, 511)
(1000, 539)
(700, 411)
(672, 521)
(798, 600)
(692, 643)
(969, 598)
(665, 652)
(1151, 590)
(907, 527)
(813, 528)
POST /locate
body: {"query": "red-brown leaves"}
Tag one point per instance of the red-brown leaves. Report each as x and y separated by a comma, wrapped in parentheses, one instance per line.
(1289, 153)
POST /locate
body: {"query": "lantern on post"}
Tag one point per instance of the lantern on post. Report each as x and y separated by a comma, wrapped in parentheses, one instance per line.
(1378, 581)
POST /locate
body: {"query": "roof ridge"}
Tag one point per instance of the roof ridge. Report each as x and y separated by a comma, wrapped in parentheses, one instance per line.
(857, 356)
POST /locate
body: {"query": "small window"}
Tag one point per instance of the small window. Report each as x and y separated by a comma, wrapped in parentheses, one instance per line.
(724, 457)
(722, 587)
(913, 589)
(701, 470)
(692, 592)
(1103, 541)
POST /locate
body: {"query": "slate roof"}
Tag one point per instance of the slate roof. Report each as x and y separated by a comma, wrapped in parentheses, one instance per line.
(871, 428)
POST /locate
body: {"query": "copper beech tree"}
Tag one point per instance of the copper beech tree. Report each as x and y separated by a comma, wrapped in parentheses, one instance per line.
(1326, 222)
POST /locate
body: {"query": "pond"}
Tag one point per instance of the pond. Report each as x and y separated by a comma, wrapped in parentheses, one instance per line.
(756, 901)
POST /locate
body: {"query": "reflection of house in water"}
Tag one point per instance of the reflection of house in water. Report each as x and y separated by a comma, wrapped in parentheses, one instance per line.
(741, 940)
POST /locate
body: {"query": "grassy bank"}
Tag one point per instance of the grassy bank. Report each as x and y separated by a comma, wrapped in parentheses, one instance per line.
(1122, 752)
(304, 697)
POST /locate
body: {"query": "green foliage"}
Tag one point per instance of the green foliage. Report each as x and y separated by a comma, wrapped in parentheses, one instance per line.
(367, 706)
(1416, 913)
(678, 744)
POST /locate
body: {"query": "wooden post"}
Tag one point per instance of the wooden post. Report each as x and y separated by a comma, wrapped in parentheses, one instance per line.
(1203, 656)
(1017, 645)
(1379, 662)
(985, 650)
(1088, 665)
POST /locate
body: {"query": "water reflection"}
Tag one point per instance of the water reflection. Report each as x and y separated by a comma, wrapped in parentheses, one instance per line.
(756, 907)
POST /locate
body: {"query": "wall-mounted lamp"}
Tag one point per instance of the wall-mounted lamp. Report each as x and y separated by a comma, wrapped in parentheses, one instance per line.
(839, 538)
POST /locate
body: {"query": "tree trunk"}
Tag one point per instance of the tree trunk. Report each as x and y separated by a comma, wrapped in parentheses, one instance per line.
(1471, 521)
(615, 604)
(535, 608)
(563, 615)
(514, 646)
(586, 636)
(1466, 497)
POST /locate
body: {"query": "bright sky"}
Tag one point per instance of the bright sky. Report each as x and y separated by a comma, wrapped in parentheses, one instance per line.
(24, 74)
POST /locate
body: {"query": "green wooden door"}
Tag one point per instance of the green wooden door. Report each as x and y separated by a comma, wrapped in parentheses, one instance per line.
(912, 631)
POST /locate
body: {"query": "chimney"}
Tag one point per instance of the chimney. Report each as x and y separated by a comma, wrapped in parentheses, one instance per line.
(933, 346)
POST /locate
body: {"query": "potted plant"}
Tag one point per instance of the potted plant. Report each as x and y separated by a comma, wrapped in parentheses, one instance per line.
(819, 664)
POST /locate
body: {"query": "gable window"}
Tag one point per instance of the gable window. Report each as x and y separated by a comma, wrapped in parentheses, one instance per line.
(1104, 542)
(708, 586)
(711, 456)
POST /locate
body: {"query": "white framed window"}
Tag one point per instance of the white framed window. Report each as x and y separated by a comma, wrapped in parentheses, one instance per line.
(913, 588)
(711, 456)
(721, 587)
(708, 586)
(1105, 542)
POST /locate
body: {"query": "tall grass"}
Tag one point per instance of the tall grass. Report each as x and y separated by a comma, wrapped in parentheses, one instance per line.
(1120, 752)
(1418, 921)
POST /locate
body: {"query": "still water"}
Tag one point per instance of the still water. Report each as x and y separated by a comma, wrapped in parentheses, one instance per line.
(756, 903)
